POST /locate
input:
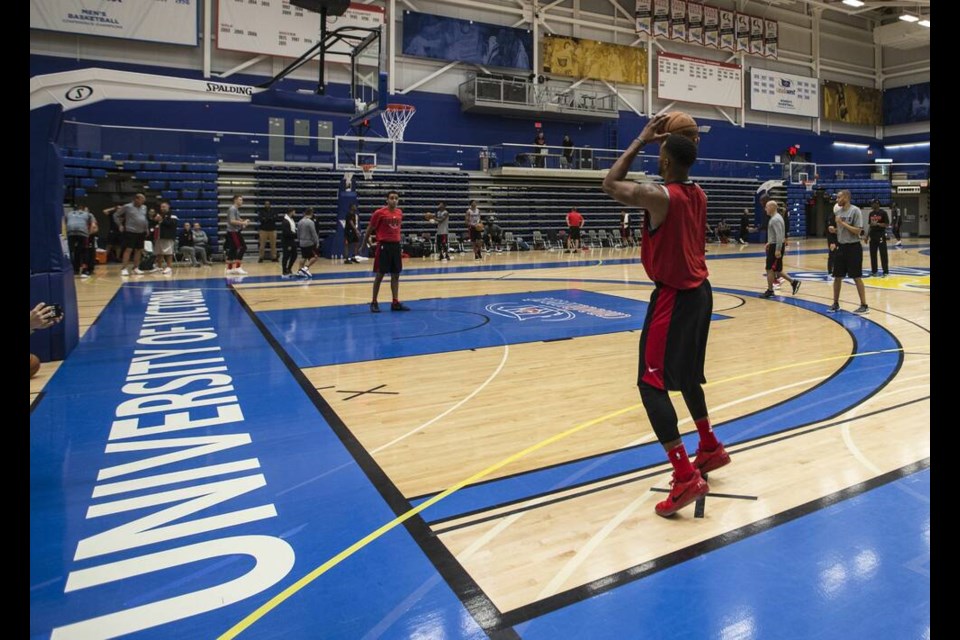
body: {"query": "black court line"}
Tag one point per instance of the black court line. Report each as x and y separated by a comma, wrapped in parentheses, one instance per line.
(329, 386)
(370, 391)
(590, 485)
(486, 320)
(558, 339)
(637, 572)
(36, 401)
(731, 496)
(486, 614)
(742, 300)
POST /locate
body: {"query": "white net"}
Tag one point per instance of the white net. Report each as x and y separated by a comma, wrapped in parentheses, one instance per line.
(367, 170)
(395, 118)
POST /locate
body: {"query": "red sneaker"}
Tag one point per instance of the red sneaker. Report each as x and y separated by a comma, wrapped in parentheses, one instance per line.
(707, 461)
(682, 494)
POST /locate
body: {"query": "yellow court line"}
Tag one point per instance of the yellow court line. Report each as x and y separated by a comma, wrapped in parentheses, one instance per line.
(278, 599)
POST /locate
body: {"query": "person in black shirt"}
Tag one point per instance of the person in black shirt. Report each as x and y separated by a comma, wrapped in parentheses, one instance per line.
(744, 226)
(267, 220)
(895, 220)
(288, 233)
(185, 245)
(878, 239)
(351, 235)
(541, 142)
(567, 152)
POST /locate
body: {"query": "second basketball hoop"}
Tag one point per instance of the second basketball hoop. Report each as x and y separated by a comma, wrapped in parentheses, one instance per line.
(395, 118)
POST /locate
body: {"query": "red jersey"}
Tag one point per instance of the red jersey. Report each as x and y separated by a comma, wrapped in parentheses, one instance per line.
(673, 253)
(386, 224)
(575, 219)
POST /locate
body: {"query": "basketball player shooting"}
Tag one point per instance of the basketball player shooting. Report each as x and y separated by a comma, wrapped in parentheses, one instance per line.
(674, 338)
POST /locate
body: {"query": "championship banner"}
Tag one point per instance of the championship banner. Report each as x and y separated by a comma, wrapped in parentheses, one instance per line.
(644, 16)
(756, 36)
(771, 39)
(743, 32)
(784, 93)
(582, 58)
(678, 20)
(282, 29)
(695, 23)
(852, 104)
(711, 27)
(661, 18)
(166, 22)
(697, 80)
(907, 104)
(727, 35)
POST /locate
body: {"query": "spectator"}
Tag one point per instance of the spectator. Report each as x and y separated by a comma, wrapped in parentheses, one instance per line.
(309, 243)
(744, 227)
(351, 235)
(878, 239)
(185, 245)
(575, 223)
(80, 225)
(723, 231)
(267, 221)
(567, 160)
(166, 237)
(201, 244)
(540, 142)
(288, 229)
(132, 219)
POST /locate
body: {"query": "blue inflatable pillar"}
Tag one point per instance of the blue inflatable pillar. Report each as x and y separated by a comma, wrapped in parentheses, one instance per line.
(51, 276)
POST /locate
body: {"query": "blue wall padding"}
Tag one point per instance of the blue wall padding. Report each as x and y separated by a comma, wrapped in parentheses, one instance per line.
(59, 340)
(51, 278)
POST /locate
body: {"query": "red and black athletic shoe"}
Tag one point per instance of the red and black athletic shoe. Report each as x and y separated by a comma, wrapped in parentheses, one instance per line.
(682, 494)
(399, 306)
(707, 461)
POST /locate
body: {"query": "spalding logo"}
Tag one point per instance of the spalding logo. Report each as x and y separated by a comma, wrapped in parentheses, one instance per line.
(213, 87)
(79, 93)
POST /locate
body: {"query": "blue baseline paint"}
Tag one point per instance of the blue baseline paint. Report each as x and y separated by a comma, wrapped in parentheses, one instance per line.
(291, 443)
(352, 334)
(859, 568)
(860, 378)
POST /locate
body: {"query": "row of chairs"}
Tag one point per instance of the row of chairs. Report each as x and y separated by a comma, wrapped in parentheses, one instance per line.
(552, 240)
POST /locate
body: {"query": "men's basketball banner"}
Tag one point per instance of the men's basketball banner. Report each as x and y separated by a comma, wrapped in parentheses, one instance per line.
(852, 104)
(165, 22)
(711, 27)
(906, 104)
(582, 58)
(661, 18)
(678, 20)
(743, 32)
(442, 38)
(282, 29)
(771, 39)
(727, 34)
(644, 16)
(695, 22)
(697, 80)
(784, 93)
(756, 36)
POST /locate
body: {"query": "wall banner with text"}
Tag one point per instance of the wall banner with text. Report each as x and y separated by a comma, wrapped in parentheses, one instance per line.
(697, 80)
(727, 35)
(784, 93)
(711, 27)
(695, 23)
(770, 39)
(283, 29)
(661, 18)
(166, 22)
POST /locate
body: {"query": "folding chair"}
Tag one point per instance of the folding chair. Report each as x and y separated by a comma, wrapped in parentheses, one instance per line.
(538, 242)
(603, 239)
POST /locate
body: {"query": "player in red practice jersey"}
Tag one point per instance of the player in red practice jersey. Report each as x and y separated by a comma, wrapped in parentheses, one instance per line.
(674, 339)
(385, 225)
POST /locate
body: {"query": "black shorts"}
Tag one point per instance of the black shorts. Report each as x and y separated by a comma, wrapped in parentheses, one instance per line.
(114, 237)
(774, 263)
(308, 252)
(673, 344)
(475, 234)
(574, 233)
(351, 235)
(388, 258)
(848, 261)
(133, 240)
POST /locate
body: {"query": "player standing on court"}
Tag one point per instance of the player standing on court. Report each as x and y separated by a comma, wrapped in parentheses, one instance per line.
(674, 339)
(385, 223)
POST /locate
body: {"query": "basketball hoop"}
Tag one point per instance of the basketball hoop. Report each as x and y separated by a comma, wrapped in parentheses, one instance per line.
(395, 118)
(368, 170)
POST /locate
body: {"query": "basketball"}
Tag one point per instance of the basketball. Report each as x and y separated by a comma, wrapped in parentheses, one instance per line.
(428, 216)
(681, 123)
(478, 226)
(34, 365)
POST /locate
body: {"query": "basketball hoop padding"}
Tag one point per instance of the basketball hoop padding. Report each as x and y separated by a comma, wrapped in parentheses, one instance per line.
(395, 118)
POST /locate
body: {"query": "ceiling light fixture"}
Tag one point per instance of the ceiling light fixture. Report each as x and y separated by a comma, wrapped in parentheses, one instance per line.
(924, 23)
(854, 3)
(908, 17)
(851, 145)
